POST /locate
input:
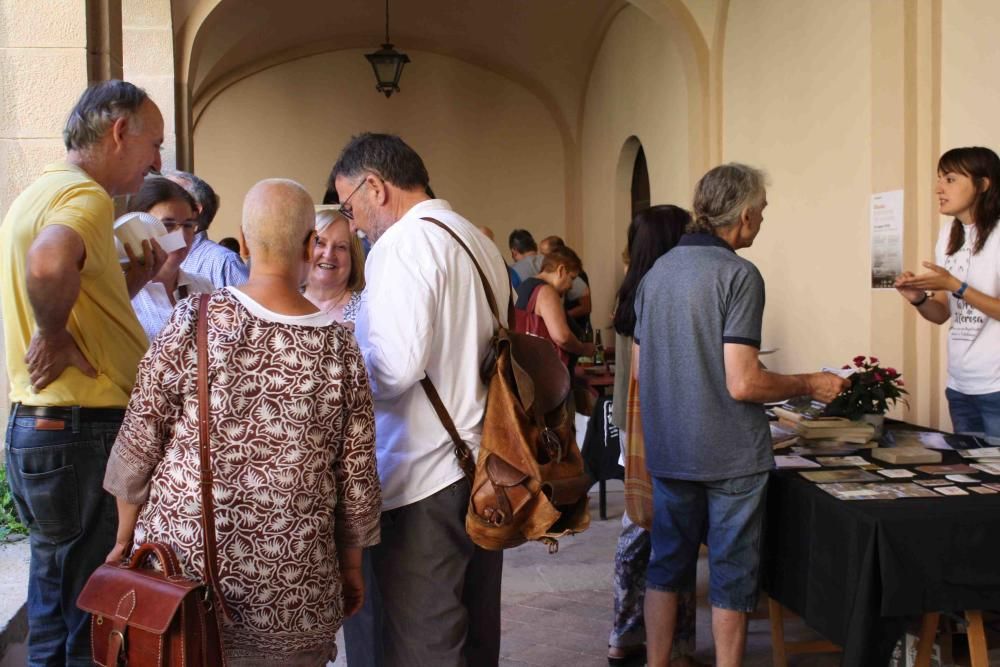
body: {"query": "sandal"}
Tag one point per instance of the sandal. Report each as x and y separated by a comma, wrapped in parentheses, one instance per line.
(631, 656)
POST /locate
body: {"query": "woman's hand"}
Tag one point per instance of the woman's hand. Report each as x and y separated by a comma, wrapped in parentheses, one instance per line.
(353, 585)
(911, 294)
(118, 553)
(936, 279)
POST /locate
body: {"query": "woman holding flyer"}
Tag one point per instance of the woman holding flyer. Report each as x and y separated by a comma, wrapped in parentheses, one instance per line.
(963, 285)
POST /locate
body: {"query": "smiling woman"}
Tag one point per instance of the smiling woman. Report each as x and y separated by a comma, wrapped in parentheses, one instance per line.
(337, 269)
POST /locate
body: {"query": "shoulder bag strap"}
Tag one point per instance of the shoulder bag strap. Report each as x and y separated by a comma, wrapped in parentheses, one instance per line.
(205, 452)
(462, 451)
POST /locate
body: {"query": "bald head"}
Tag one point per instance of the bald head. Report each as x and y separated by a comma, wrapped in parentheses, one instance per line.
(487, 232)
(550, 243)
(278, 216)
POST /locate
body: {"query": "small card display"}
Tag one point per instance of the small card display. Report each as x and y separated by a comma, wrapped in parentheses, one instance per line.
(884, 491)
(793, 461)
(985, 490)
(991, 468)
(896, 473)
(850, 475)
(953, 469)
(930, 483)
(981, 453)
(951, 491)
(962, 479)
(841, 461)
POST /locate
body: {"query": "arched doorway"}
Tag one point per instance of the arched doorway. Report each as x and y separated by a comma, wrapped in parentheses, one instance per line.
(640, 183)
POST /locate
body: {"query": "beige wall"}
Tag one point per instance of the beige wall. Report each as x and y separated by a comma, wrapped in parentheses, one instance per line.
(490, 146)
(798, 103)
(636, 89)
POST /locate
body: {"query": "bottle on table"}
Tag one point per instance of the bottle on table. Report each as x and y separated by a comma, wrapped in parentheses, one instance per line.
(598, 348)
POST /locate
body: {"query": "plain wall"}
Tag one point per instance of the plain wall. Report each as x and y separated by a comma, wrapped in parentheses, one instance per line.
(491, 147)
(636, 89)
(797, 103)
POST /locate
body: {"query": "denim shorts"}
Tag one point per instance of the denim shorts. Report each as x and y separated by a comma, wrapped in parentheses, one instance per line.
(728, 515)
(976, 414)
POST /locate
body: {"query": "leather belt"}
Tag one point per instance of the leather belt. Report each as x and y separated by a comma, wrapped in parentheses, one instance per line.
(66, 413)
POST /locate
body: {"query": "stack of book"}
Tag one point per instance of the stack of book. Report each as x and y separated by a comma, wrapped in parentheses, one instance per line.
(809, 423)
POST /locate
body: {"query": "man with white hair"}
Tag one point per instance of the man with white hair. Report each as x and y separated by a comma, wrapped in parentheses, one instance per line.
(426, 316)
(73, 344)
(708, 445)
(206, 257)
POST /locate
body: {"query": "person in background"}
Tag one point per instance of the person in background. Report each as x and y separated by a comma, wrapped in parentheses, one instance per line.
(337, 268)
(577, 301)
(425, 315)
(524, 254)
(220, 265)
(964, 287)
(231, 244)
(559, 269)
(515, 279)
(174, 207)
(698, 317)
(72, 347)
(292, 433)
(652, 233)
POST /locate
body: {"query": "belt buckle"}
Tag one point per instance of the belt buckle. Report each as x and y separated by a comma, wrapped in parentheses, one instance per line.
(47, 424)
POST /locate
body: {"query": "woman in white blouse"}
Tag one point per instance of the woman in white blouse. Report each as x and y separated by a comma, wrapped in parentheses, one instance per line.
(337, 270)
(174, 207)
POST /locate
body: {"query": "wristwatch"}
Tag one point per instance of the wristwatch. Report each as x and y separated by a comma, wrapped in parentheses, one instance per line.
(960, 292)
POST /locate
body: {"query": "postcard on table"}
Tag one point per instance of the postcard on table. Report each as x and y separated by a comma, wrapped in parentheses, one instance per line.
(851, 491)
(981, 453)
(952, 469)
(907, 490)
(991, 468)
(842, 461)
(896, 473)
(984, 490)
(792, 461)
(962, 479)
(932, 482)
(850, 475)
(951, 491)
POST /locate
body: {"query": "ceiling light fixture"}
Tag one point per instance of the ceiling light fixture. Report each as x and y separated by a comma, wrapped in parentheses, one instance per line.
(387, 62)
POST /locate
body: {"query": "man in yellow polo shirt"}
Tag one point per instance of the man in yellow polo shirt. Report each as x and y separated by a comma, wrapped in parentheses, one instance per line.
(72, 347)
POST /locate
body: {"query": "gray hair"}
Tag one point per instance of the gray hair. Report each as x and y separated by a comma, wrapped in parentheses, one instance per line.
(203, 193)
(385, 154)
(98, 108)
(724, 193)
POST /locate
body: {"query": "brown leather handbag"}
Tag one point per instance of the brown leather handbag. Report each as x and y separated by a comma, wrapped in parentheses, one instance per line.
(143, 617)
(528, 482)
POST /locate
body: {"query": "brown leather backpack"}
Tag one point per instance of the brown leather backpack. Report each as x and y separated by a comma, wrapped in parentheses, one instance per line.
(528, 482)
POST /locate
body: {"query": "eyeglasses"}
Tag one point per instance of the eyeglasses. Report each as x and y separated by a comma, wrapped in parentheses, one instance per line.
(345, 209)
(187, 226)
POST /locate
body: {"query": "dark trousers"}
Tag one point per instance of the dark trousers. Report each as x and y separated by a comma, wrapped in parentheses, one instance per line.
(56, 478)
(440, 592)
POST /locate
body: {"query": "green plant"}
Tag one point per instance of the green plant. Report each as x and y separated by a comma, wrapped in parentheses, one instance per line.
(873, 390)
(8, 514)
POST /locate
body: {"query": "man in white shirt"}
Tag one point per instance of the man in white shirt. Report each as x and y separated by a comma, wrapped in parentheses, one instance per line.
(426, 312)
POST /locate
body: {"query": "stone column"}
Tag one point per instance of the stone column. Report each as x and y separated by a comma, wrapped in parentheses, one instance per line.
(148, 48)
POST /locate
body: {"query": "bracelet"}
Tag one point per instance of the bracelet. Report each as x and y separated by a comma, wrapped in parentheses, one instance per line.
(924, 298)
(960, 292)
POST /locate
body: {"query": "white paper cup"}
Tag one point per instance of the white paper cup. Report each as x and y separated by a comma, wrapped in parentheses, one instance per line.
(134, 228)
(173, 241)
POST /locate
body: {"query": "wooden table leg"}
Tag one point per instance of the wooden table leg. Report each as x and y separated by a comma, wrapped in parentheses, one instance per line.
(777, 633)
(977, 639)
(928, 628)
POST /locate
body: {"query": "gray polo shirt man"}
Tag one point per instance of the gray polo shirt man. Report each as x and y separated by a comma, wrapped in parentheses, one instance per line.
(696, 298)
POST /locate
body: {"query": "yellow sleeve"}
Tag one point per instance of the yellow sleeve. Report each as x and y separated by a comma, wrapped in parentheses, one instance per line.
(89, 212)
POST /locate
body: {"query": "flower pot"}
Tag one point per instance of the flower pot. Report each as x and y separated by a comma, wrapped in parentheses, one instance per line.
(878, 421)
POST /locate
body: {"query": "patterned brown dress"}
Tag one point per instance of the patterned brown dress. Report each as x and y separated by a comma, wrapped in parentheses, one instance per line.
(292, 435)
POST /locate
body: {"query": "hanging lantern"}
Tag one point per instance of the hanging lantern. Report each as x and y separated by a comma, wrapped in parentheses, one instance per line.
(387, 63)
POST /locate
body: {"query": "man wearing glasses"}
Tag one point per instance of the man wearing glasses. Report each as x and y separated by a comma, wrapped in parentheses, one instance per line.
(425, 313)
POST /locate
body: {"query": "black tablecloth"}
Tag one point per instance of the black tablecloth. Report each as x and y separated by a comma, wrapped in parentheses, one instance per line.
(855, 570)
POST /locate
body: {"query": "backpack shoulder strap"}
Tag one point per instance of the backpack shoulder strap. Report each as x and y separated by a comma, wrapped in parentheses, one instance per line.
(490, 298)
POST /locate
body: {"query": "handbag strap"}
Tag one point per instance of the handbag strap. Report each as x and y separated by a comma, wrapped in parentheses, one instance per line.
(462, 451)
(205, 455)
(534, 299)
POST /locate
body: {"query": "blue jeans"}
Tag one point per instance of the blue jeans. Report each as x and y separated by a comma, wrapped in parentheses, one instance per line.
(977, 414)
(56, 478)
(729, 515)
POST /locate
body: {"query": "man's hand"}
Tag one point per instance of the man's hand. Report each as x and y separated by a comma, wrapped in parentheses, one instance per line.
(142, 269)
(49, 355)
(826, 386)
(353, 590)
